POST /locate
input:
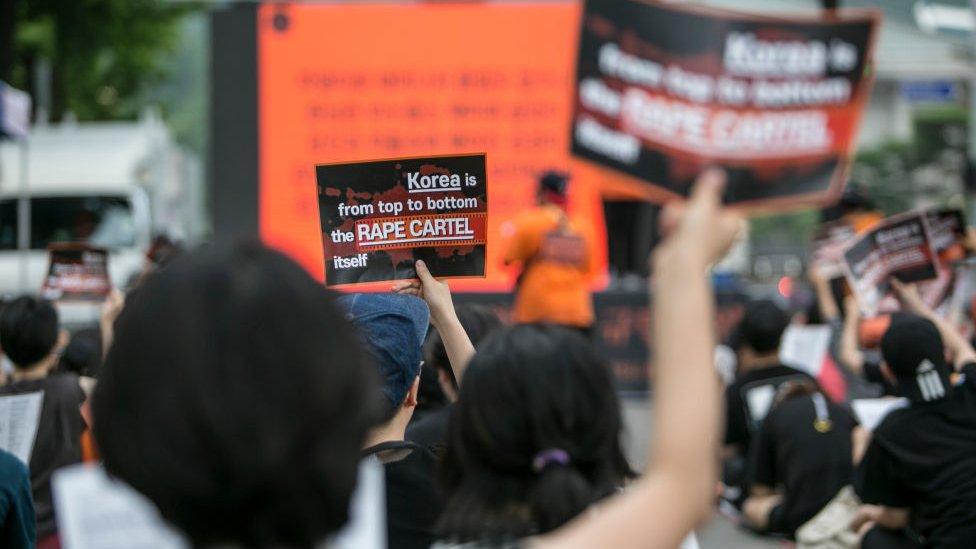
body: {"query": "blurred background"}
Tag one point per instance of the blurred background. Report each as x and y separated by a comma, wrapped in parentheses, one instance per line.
(127, 120)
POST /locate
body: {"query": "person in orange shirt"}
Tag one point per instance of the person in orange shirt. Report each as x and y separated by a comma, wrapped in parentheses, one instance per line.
(555, 253)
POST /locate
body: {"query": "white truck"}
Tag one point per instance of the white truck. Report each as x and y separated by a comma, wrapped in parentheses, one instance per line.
(109, 184)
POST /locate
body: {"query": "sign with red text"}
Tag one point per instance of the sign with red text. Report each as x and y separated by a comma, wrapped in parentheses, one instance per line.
(664, 90)
(899, 247)
(379, 217)
(76, 272)
(948, 230)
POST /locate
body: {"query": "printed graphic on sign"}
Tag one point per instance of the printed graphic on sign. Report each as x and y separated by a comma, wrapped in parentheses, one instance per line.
(898, 247)
(379, 217)
(664, 90)
(77, 272)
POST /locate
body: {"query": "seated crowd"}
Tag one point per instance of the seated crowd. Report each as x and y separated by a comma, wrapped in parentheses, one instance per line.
(240, 397)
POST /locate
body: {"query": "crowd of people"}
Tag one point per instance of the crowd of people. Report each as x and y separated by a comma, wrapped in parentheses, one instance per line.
(240, 396)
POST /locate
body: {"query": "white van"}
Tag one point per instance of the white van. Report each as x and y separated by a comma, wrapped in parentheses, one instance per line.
(88, 182)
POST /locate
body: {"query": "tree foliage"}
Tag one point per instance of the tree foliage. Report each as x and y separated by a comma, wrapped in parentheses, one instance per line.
(102, 53)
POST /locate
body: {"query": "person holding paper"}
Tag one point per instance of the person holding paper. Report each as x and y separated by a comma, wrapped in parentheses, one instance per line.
(554, 253)
(750, 395)
(920, 467)
(30, 337)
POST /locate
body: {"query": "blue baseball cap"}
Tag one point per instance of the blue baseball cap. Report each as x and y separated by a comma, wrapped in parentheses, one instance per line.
(393, 328)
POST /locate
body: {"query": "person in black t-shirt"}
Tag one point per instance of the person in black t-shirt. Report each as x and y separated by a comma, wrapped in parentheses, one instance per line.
(749, 397)
(431, 429)
(30, 337)
(801, 458)
(393, 328)
(920, 468)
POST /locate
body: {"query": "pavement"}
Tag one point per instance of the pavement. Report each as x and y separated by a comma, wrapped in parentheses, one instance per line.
(718, 533)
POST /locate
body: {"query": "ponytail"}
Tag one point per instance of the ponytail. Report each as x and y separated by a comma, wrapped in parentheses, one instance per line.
(559, 492)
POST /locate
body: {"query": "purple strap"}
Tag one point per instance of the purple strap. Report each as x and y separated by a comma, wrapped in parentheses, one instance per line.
(552, 456)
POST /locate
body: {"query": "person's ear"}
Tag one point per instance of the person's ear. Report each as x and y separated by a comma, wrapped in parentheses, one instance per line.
(411, 399)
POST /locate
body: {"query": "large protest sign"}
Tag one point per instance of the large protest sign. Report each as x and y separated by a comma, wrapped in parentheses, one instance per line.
(379, 217)
(898, 247)
(665, 89)
(77, 272)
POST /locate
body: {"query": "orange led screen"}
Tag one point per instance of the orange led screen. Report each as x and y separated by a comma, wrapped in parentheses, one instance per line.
(343, 82)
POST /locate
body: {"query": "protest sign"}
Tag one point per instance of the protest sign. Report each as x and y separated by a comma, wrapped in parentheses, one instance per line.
(899, 247)
(76, 272)
(947, 228)
(379, 217)
(19, 418)
(664, 90)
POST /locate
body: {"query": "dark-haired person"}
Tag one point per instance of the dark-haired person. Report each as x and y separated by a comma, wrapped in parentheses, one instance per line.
(431, 429)
(545, 479)
(236, 397)
(392, 328)
(750, 395)
(920, 467)
(554, 253)
(801, 458)
(31, 338)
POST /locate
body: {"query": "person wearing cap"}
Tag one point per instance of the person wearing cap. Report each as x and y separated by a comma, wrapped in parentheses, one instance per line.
(392, 328)
(920, 467)
(554, 253)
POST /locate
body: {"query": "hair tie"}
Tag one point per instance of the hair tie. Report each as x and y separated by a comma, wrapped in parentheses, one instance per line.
(551, 456)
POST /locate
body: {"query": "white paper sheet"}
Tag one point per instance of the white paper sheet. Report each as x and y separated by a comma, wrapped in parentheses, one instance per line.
(366, 528)
(871, 412)
(19, 416)
(97, 512)
(805, 347)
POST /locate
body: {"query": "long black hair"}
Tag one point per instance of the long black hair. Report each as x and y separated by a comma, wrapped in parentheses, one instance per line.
(534, 439)
(235, 398)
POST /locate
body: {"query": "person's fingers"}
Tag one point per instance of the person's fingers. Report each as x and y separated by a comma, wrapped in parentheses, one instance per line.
(423, 273)
(707, 190)
(671, 217)
(898, 285)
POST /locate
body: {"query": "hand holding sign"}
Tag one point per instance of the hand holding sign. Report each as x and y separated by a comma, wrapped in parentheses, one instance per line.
(436, 293)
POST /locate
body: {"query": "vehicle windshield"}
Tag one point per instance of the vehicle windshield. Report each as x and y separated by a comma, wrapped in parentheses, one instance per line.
(104, 221)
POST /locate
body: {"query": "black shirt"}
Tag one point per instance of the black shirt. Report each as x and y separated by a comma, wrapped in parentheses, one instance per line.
(923, 457)
(755, 387)
(413, 504)
(808, 463)
(430, 431)
(58, 439)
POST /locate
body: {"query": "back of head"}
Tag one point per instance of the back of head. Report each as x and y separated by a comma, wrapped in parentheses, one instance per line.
(478, 322)
(233, 397)
(534, 438)
(554, 187)
(28, 330)
(762, 326)
(913, 350)
(392, 328)
(83, 354)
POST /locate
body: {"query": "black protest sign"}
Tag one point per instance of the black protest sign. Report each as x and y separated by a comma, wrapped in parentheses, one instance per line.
(379, 217)
(76, 272)
(665, 89)
(898, 247)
